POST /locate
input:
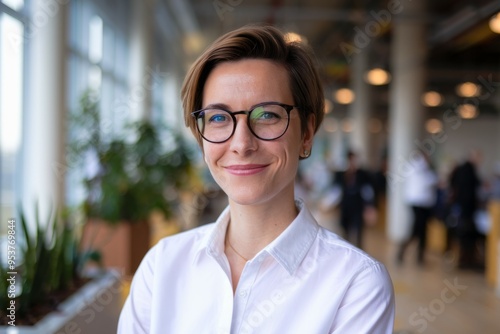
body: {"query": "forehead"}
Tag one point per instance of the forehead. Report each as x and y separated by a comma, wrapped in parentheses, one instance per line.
(248, 81)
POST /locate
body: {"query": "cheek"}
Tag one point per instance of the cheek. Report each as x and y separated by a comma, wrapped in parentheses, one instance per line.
(211, 153)
(294, 141)
(288, 155)
(206, 155)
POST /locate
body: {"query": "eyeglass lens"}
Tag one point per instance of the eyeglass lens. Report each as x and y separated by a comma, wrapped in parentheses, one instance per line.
(266, 122)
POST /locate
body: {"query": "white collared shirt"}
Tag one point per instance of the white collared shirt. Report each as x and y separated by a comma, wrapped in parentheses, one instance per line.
(308, 280)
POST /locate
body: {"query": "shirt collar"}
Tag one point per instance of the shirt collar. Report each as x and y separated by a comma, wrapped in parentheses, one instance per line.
(288, 249)
(213, 242)
(291, 246)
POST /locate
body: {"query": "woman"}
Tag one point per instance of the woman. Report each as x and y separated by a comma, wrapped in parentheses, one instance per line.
(254, 101)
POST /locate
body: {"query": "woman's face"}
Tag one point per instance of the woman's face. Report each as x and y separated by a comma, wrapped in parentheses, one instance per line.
(249, 170)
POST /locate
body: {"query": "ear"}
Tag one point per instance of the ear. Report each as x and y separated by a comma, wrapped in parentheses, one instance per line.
(308, 135)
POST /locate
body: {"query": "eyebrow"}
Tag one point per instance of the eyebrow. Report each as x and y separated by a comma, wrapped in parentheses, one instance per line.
(226, 107)
(217, 106)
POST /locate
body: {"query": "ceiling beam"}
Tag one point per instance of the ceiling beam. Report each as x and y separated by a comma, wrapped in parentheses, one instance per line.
(462, 21)
(289, 13)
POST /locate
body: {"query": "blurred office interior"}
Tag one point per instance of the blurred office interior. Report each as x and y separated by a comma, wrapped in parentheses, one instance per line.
(400, 76)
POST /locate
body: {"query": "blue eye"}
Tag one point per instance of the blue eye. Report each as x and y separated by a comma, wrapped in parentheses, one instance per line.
(218, 118)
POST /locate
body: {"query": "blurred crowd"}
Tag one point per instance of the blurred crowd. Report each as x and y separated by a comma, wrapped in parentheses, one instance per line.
(456, 201)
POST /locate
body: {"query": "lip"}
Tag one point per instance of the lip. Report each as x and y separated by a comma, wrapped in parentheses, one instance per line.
(247, 169)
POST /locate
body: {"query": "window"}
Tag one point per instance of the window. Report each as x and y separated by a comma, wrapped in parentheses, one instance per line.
(11, 105)
(98, 60)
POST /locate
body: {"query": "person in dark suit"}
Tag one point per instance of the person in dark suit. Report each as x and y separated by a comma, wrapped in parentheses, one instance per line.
(464, 188)
(357, 198)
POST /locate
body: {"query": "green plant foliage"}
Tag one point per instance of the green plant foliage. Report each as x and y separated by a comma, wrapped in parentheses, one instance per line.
(48, 257)
(138, 172)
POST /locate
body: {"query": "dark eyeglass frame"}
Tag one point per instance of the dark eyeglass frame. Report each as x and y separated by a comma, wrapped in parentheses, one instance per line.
(288, 108)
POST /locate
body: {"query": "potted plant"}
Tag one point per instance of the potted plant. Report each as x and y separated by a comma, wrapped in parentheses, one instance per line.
(44, 280)
(136, 174)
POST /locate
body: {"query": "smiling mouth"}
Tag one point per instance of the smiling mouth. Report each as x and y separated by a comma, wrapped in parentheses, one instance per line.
(250, 169)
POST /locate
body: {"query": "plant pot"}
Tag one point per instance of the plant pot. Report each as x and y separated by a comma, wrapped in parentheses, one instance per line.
(121, 245)
(94, 308)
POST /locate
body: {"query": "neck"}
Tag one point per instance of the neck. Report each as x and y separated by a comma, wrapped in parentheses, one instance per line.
(253, 227)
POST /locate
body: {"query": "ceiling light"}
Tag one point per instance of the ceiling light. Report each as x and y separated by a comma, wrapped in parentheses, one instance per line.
(433, 125)
(468, 89)
(292, 37)
(468, 111)
(377, 77)
(344, 96)
(495, 23)
(432, 99)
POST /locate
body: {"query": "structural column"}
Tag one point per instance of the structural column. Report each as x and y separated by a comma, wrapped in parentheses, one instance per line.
(141, 59)
(360, 108)
(406, 113)
(44, 134)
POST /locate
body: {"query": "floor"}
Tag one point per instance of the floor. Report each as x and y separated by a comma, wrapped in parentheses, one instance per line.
(436, 298)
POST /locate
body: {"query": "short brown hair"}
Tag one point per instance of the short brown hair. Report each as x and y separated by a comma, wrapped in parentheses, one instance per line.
(258, 42)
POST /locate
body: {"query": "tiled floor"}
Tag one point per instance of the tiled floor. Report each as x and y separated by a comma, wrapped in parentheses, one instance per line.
(438, 298)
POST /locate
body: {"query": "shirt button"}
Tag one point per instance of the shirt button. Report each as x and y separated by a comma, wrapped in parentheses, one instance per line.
(243, 293)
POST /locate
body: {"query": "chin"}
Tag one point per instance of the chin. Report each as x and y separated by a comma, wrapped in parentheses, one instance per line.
(247, 198)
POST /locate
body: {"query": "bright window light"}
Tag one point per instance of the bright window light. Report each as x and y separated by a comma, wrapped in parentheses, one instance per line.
(10, 85)
(95, 39)
(14, 4)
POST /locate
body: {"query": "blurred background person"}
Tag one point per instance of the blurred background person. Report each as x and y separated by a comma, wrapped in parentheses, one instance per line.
(464, 198)
(421, 191)
(357, 199)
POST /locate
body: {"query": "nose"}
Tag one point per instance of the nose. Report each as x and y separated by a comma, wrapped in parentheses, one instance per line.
(242, 141)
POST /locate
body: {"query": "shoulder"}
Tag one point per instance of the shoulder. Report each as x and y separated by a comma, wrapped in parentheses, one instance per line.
(347, 259)
(189, 238)
(331, 243)
(167, 252)
(362, 284)
(184, 243)
(354, 270)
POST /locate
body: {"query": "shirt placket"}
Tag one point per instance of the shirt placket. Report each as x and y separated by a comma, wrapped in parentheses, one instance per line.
(244, 291)
(226, 294)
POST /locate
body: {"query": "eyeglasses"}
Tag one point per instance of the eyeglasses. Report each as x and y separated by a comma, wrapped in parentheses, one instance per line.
(266, 121)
